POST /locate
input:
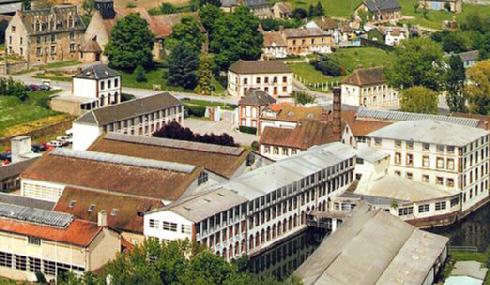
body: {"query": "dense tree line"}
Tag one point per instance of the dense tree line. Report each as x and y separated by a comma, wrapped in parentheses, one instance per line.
(174, 130)
(11, 87)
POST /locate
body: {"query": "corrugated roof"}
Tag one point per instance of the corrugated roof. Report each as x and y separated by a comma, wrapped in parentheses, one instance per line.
(15, 169)
(259, 67)
(37, 216)
(25, 201)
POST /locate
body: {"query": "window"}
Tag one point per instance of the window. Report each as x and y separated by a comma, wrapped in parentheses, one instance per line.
(245, 81)
(440, 162)
(423, 208)
(284, 79)
(109, 84)
(5, 259)
(450, 164)
(169, 226)
(377, 141)
(454, 201)
(409, 159)
(440, 148)
(72, 36)
(359, 161)
(441, 206)
(34, 264)
(102, 85)
(425, 161)
(72, 48)
(405, 211)
(398, 157)
(186, 229)
(34, 240)
(13, 28)
(153, 224)
(425, 178)
(450, 149)
(20, 263)
(409, 145)
(53, 50)
(116, 82)
(53, 38)
(440, 180)
(409, 175)
(450, 182)
(398, 143)
(398, 173)
(257, 80)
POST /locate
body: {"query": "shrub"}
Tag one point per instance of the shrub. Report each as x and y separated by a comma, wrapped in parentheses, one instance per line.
(302, 98)
(196, 111)
(328, 67)
(131, 5)
(248, 130)
(140, 74)
(255, 146)
(127, 97)
(174, 130)
(167, 8)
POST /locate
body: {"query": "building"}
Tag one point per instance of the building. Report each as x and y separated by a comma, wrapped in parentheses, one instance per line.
(260, 8)
(455, 6)
(45, 35)
(222, 162)
(449, 156)
(273, 77)
(469, 58)
(380, 10)
(304, 41)
(285, 115)
(100, 83)
(251, 106)
(327, 24)
(124, 213)
(141, 116)
(282, 10)
(47, 178)
(381, 243)
(91, 51)
(275, 45)
(367, 87)
(253, 211)
(35, 240)
(9, 174)
(394, 35)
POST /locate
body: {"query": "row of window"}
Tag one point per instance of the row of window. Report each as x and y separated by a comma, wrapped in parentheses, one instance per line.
(279, 150)
(426, 178)
(258, 80)
(51, 51)
(438, 206)
(440, 162)
(34, 264)
(169, 226)
(102, 83)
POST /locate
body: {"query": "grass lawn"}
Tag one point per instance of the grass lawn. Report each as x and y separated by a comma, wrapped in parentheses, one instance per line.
(308, 73)
(14, 112)
(204, 103)
(53, 77)
(455, 256)
(335, 8)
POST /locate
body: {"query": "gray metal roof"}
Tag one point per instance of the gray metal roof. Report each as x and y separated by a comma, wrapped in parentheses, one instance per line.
(15, 169)
(370, 154)
(97, 71)
(269, 178)
(124, 159)
(38, 216)
(387, 115)
(26, 201)
(373, 247)
(179, 144)
(430, 131)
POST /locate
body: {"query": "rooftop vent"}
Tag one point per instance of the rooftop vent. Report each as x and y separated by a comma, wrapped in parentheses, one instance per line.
(72, 203)
(91, 208)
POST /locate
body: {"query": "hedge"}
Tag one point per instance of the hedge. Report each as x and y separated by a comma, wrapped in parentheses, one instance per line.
(248, 130)
(193, 110)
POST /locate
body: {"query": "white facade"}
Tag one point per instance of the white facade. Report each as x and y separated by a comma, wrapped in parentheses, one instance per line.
(41, 190)
(276, 124)
(275, 51)
(167, 226)
(107, 91)
(274, 84)
(393, 38)
(381, 96)
(84, 135)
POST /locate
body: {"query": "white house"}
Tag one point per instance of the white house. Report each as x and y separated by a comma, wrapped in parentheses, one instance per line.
(273, 77)
(142, 116)
(394, 35)
(100, 83)
(275, 45)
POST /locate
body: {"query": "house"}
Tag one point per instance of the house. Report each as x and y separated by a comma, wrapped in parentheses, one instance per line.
(222, 162)
(47, 178)
(251, 212)
(381, 242)
(275, 45)
(469, 58)
(273, 77)
(282, 10)
(285, 115)
(455, 6)
(35, 240)
(90, 51)
(380, 10)
(327, 24)
(260, 8)
(304, 41)
(142, 116)
(368, 87)
(450, 156)
(251, 106)
(98, 82)
(124, 213)
(45, 35)
(394, 35)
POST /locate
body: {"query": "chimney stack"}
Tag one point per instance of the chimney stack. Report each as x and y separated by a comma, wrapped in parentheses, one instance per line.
(337, 121)
(21, 145)
(102, 219)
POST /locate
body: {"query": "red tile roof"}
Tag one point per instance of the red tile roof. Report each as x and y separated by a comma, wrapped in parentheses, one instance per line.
(80, 233)
(366, 76)
(361, 127)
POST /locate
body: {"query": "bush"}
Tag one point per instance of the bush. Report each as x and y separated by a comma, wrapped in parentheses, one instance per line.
(196, 111)
(167, 8)
(248, 130)
(127, 97)
(174, 130)
(302, 98)
(329, 67)
(140, 74)
(255, 146)
(131, 5)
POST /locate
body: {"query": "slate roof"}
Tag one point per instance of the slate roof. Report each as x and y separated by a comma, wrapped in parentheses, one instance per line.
(129, 109)
(14, 169)
(259, 67)
(256, 97)
(291, 113)
(105, 8)
(366, 77)
(254, 4)
(60, 14)
(92, 46)
(382, 5)
(97, 71)
(25, 201)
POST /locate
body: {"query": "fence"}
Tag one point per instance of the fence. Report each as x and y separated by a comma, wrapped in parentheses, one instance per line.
(468, 248)
(323, 86)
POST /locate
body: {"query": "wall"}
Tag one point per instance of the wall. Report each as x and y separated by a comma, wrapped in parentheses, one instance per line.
(83, 87)
(13, 67)
(84, 135)
(103, 249)
(158, 231)
(42, 190)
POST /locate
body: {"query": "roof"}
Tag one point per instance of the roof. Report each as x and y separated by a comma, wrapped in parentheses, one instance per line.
(259, 67)
(97, 71)
(93, 46)
(222, 160)
(10, 7)
(256, 97)
(462, 280)
(129, 109)
(116, 173)
(33, 215)
(366, 76)
(401, 189)
(105, 10)
(303, 136)
(14, 169)
(370, 154)
(258, 182)
(256, 3)
(60, 12)
(283, 7)
(304, 32)
(79, 233)
(326, 23)
(123, 213)
(430, 131)
(274, 39)
(361, 127)
(292, 113)
(25, 201)
(471, 55)
(229, 3)
(373, 247)
(203, 205)
(382, 5)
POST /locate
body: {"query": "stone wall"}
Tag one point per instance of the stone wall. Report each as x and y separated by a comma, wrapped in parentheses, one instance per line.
(12, 68)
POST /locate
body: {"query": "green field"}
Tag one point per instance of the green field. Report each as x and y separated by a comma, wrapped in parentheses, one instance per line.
(15, 112)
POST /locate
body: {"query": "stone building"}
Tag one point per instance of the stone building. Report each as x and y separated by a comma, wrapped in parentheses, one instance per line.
(380, 10)
(455, 6)
(45, 35)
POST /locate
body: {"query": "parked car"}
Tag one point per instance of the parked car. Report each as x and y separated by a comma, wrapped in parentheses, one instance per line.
(38, 148)
(6, 155)
(55, 143)
(34, 87)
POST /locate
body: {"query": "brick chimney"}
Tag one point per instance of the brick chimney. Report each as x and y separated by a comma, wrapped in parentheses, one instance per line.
(102, 219)
(337, 121)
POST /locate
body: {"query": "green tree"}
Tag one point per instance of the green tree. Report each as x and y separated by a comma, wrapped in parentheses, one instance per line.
(205, 75)
(186, 32)
(303, 98)
(455, 78)
(183, 63)
(88, 6)
(167, 8)
(478, 91)
(418, 99)
(311, 11)
(131, 44)
(216, 3)
(140, 74)
(236, 37)
(319, 9)
(26, 5)
(418, 62)
(208, 14)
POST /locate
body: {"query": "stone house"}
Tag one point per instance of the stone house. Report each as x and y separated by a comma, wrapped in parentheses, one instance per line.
(45, 35)
(282, 10)
(304, 41)
(251, 106)
(380, 10)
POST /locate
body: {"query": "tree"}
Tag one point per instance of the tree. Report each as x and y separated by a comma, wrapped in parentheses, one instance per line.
(236, 37)
(418, 62)
(131, 44)
(88, 6)
(205, 75)
(302, 98)
(174, 130)
(455, 78)
(419, 99)
(167, 8)
(26, 5)
(140, 74)
(311, 11)
(208, 14)
(216, 3)
(182, 66)
(14, 88)
(299, 13)
(319, 9)
(478, 92)
(186, 32)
